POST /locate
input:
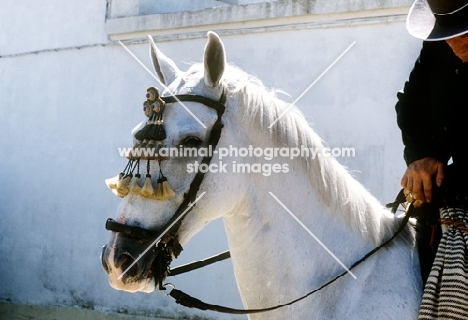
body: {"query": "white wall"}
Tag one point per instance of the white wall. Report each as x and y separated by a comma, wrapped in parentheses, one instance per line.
(69, 96)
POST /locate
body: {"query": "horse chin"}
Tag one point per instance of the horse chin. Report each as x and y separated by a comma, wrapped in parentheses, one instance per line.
(147, 285)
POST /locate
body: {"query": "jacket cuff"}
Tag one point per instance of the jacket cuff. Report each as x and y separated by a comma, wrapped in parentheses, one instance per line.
(412, 154)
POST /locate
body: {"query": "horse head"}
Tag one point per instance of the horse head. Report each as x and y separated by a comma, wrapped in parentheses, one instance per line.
(189, 116)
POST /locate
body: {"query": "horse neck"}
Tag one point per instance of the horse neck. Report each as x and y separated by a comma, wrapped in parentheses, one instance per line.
(322, 180)
(267, 243)
(272, 253)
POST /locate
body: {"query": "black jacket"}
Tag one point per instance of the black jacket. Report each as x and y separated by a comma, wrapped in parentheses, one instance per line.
(431, 112)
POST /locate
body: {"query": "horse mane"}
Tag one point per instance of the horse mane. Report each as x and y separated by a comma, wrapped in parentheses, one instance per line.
(333, 183)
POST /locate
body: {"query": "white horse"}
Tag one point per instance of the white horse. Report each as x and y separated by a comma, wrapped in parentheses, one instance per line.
(275, 260)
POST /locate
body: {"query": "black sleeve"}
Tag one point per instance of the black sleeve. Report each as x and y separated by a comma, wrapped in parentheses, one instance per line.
(414, 110)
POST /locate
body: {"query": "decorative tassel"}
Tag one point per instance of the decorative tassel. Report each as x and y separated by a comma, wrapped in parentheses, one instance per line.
(134, 186)
(167, 190)
(153, 108)
(163, 189)
(119, 184)
(143, 144)
(147, 190)
(143, 133)
(157, 131)
(148, 138)
(124, 182)
(120, 193)
(151, 144)
(116, 193)
(161, 132)
(122, 185)
(112, 182)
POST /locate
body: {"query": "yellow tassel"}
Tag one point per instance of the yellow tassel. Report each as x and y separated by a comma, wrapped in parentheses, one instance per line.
(112, 182)
(147, 190)
(163, 190)
(158, 192)
(167, 190)
(135, 185)
(124, 182)
(118, 193)
(122, 185)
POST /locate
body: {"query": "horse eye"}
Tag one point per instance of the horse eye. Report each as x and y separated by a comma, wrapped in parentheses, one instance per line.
(191, 142)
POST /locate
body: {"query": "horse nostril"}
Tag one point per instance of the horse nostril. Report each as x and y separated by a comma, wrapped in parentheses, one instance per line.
(124, 261)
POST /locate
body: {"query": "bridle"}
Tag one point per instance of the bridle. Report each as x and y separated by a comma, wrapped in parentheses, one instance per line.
(168, 233)
(169, 230)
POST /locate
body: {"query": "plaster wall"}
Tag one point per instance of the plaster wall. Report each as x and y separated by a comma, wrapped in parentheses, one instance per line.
(70, 94)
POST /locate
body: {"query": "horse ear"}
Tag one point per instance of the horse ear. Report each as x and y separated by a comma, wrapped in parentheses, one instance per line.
(214, 60)
(165, 68)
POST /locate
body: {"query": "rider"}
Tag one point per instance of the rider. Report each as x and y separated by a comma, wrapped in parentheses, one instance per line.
(431, 116)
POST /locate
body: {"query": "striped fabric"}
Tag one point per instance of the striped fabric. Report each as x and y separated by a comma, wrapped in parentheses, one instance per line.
(446, 292)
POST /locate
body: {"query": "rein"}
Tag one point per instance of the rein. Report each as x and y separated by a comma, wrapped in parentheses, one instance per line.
(186, 300)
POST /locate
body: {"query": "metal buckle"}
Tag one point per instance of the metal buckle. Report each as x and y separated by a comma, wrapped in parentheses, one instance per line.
(164, 287)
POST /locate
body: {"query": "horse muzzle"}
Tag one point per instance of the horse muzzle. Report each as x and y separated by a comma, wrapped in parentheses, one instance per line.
(128, 270)
(137, 263)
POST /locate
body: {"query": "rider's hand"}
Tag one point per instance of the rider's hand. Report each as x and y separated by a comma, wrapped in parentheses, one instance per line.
(419, 178)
